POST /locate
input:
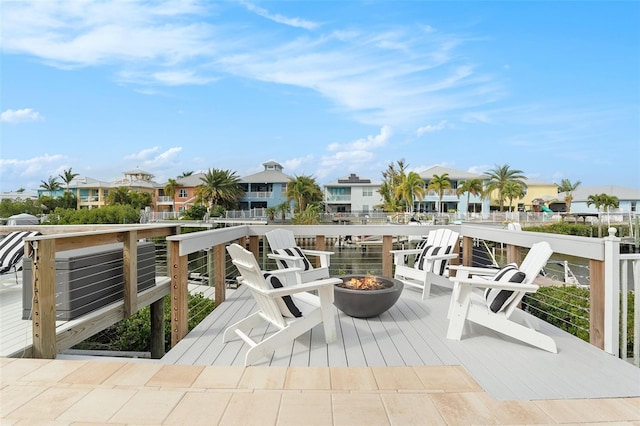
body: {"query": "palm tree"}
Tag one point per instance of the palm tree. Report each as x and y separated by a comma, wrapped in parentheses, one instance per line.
(170, 191)
(67, 176)
(511, 190)
(185, 174)
(411, 188)
(602, 202)
(498, 178)
(303, 190)
(439, 184)
(567, 187)
(121, 195)
(50, 185)
(391, 179)
(220, 187)
(283, 208)
(472, 186)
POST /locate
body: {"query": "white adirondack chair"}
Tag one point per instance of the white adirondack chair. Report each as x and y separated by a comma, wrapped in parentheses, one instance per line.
(288, 255)
(431, 261)
(497, 308)
(290, 309)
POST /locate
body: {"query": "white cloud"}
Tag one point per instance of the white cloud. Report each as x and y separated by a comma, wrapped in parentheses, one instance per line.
(368, 143)
(429, 128)
(293, 22)
(141, 155)
(19, 116)
(32, 167)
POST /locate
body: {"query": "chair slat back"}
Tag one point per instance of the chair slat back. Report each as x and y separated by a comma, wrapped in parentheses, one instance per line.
(280, 239)
(441, 237)
(253, 277)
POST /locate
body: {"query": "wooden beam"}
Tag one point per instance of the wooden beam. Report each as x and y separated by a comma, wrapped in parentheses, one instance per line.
(43, 311)
(320, 245)
(387, 259)
(467, 251)
(254, 245)
(596, 310)
(157, 329)
(130, 272)
(179, 293)
(219, 256)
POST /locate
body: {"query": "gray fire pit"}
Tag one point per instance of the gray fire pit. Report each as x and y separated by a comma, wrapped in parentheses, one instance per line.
(367, 303)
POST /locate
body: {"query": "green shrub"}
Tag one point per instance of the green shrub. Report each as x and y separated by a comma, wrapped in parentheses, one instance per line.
(133, 334)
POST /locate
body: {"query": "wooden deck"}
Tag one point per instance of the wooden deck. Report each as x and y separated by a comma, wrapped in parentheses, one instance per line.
(412, 333)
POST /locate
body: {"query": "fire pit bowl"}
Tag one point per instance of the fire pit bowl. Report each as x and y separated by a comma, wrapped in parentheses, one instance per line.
(366, 303)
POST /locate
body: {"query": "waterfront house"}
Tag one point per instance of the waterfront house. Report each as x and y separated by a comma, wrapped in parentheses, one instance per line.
(352, 194)
(264, 189)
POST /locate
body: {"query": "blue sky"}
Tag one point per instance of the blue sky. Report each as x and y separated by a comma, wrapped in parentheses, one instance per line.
(326, 88)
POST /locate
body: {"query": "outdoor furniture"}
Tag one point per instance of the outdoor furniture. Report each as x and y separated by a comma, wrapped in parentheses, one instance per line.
(291, 310)
(432, 256)
(12, 251)
(497, 307)
(288, 255)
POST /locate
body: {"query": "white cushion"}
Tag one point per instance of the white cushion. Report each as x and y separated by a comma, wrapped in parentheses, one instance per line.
(287, 308)
(293, 251)
(497, 300)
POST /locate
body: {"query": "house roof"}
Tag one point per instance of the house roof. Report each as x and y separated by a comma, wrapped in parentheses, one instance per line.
(453, 174)
(623, 193)
(272, 173)
(353, 180)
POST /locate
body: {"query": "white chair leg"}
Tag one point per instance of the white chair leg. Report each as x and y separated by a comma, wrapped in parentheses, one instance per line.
(459, 312)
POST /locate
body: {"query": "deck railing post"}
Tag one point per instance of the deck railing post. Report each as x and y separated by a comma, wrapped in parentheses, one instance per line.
(254, 245)
(612, 293)
(596, 296)
(219, 256)
(179, 293)
(130, 272)
(467, 251)
(157, 329)
(320, 245)
(387, 259)
(43, 309)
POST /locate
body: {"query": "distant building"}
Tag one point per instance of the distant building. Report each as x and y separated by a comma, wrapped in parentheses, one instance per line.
(92, 193)
(352, 194)
(267, 188)
(628, 198)
(15, 195)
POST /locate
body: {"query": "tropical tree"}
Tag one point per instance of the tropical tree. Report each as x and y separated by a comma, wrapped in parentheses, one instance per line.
(303, 190)
(498, 178)
(439, 184)
(283, 208)
(391, 179)
(511, 190)
(50, 185)
(602, 202)
(219, 188)
(67, 176)
(472, 186)
(170, 189)
(119, 196)
(140, 199)
(411, 188)
(271, 212)
(567, 187)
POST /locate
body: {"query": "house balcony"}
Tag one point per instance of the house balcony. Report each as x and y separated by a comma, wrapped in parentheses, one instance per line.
(164, 200)
(259, 194)
(397, 368)
(337, 198)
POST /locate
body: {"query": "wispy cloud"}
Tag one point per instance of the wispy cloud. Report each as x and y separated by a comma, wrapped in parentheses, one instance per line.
(142, 155)
(430, 128)
(32, 167)
(398, 76)
(353, 154)
(20, 116)
(280, 19)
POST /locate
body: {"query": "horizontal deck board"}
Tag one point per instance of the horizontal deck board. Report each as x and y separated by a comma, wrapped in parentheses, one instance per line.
(412, 333)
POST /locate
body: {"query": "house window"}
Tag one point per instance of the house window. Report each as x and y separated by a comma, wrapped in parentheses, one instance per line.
(367, 192)
(183, 193)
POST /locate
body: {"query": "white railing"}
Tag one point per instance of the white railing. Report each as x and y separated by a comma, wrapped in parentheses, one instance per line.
(165, 199)
(630, 271)
(337, 198)
(258, 194)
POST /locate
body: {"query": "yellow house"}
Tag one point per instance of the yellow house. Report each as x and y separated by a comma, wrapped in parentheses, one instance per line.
(537, 193)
